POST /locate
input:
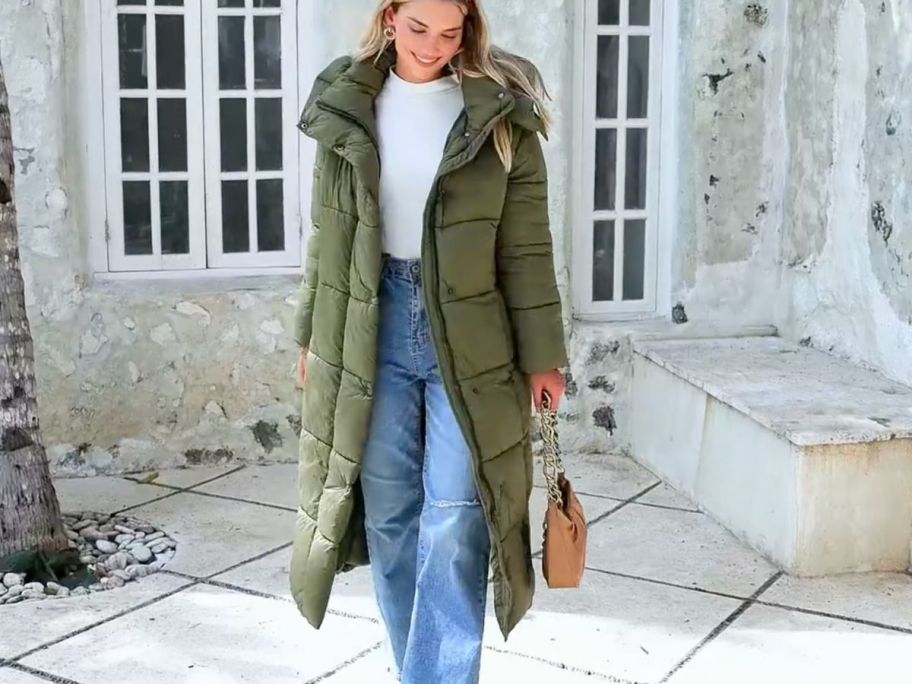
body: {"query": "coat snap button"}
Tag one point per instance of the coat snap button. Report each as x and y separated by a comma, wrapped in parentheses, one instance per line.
(474, 390)
(467, 134)
(450, 290)
(338, 148)
(500, 95)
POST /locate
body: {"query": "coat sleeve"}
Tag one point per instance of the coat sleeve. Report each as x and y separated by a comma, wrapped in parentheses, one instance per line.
(525, 261)
(303, 317)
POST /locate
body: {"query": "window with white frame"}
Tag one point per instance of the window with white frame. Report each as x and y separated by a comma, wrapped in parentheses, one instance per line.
(200, 100)
(616, 238)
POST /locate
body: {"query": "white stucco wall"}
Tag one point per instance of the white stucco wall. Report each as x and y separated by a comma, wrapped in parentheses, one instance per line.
(793, 211)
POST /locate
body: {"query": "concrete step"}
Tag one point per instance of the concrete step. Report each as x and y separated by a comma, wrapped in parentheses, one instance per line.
(805, 456)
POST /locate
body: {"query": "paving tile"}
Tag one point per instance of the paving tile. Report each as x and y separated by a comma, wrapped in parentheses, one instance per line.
(772, 645)
(9, 675)
(103, 494)
(611, 475)
(273, 484)
(884, 598)
(353, 592)
(612, 626)
(665, 495)
(375, 667)
(42, 621)
(676, 546)
(213, 635)
(496, 667)
(213, 534)
(186, 477)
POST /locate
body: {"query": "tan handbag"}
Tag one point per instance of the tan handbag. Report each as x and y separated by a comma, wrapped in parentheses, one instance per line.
(564, 528)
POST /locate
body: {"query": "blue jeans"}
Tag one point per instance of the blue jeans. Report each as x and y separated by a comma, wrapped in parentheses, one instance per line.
(426, 530)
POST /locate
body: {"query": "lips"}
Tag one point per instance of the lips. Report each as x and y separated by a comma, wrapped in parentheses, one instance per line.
(425, 62)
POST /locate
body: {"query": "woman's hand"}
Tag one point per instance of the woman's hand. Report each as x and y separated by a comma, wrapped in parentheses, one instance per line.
(551, 382)
(302, 365)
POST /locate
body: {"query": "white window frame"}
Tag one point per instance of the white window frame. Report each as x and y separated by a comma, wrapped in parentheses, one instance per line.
(661, 145)
(100, 149)
(291, 255)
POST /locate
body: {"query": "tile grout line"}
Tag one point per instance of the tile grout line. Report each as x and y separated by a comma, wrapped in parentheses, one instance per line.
(562, 666)
(722, 626)
(176, 490)
(224, 497)
(608, 497)
(835, 616)
(264, 594)
(196, 484)
(358, 656)
(666, 583)
(252, 559)
(93, 625)
(41, 674)
(621, 504)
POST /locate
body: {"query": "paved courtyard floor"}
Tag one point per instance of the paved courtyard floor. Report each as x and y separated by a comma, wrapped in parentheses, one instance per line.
(669, 596)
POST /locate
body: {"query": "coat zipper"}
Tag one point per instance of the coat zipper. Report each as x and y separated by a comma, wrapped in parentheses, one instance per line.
(449, 383)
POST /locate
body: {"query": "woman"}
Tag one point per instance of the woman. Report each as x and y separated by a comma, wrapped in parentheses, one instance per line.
(428, 314)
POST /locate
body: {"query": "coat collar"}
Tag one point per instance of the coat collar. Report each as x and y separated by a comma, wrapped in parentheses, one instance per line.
(348, 88)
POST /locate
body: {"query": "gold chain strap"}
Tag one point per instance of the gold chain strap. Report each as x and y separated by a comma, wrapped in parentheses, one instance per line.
(553, 465)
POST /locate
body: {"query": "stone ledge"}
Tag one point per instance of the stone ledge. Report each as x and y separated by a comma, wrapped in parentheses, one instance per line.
(804, 395)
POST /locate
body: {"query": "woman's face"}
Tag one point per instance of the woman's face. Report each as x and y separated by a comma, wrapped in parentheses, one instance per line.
(428, 35)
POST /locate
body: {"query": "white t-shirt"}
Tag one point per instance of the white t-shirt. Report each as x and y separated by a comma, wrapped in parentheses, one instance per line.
(413, 122)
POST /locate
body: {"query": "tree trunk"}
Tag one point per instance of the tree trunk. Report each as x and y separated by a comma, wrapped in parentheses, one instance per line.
(29, 511)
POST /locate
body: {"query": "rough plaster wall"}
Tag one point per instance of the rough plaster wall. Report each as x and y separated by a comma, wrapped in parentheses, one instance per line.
(140, 374)
(849, 255)
(731, 168)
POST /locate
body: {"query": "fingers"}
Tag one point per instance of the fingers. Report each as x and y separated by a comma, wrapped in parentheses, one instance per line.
(302, 369)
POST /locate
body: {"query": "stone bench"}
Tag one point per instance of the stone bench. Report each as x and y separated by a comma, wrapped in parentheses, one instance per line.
(805, 456)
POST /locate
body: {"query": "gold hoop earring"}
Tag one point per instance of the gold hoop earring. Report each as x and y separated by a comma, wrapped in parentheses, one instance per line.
(389, 33)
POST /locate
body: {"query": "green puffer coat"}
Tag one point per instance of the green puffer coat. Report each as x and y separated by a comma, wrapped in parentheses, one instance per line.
(493, 309)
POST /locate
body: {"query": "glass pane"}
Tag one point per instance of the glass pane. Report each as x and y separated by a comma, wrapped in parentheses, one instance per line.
(634, 258)
(270, 215)
(137, 208)
(267, 3)
(169, 50)
(131, 44)
(605, 167)
(635, 173)
(606, 93)
(230, 3)
(639, 12)
(268, 134)
(235, 219)
(134, 134)
(172, 135)
(173, 3)
(609, 12)
(175, 218)
(233, 133)
(638, 78)
(231, 53)
(267, 54)
(131, 2)
(603, 261)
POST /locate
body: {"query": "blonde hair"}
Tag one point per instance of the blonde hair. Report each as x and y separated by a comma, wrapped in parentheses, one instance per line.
(478, 58)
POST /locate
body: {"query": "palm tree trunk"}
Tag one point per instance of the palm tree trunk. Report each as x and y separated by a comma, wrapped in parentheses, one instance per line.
(29, 511)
